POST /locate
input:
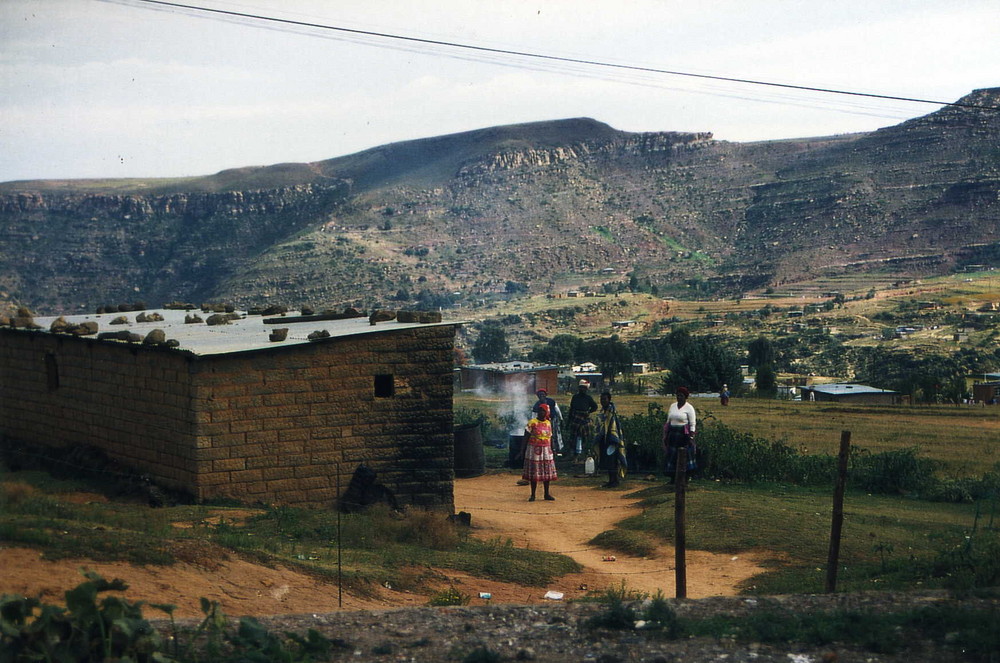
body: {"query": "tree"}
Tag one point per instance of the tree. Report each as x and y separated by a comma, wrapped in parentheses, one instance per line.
(767, 380)
(562, 349)
(760, 353)
(491, 346)
(703, 365)
(610, 354)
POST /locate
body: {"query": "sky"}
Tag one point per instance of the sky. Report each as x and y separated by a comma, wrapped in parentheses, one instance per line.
(125, 88)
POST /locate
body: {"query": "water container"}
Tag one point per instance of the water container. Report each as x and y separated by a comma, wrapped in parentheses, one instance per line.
(589, 466)
(469, 456)
(514, 448)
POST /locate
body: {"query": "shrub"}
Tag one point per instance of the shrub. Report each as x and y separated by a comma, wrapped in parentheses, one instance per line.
(450, 596)
(115, 630)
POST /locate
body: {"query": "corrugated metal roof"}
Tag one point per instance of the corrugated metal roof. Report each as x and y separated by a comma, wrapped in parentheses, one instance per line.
(245, 334)
(838, 389)
(511, 367)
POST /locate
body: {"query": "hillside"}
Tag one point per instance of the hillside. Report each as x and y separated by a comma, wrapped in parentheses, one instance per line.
(546, 207)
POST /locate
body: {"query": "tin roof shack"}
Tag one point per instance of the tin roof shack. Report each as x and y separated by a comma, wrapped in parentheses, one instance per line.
(228, 412)
(511, 377)
(852, 393)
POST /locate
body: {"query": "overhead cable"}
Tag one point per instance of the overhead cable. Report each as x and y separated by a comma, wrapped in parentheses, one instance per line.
(557, 58)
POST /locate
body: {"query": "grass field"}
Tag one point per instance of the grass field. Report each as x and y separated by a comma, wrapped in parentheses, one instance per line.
(963, 441)
(888, 542)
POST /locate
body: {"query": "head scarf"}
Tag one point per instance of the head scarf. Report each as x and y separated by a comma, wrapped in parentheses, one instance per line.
(543, 410)
(683, 391)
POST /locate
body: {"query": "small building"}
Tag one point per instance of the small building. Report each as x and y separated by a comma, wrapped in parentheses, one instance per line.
(623, 324)
(986, 392)
(277, 410)
(640, 368)
(852, 393)
(512, 377)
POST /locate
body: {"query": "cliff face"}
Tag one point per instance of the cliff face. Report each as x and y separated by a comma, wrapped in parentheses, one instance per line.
(67, 251)
(547, 205)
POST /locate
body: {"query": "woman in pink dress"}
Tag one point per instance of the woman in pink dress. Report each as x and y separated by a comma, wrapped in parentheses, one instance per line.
(539, 463)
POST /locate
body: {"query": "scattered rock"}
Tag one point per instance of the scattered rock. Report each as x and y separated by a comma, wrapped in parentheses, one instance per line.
(381, 316)
(155, 337)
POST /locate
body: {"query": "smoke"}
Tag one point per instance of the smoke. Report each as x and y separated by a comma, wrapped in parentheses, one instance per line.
(513, 406)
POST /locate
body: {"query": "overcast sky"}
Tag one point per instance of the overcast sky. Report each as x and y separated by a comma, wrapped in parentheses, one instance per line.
(97, 88)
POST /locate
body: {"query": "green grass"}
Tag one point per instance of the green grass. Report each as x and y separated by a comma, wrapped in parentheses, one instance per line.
(961, 442)
(374, 547)
(887, 542)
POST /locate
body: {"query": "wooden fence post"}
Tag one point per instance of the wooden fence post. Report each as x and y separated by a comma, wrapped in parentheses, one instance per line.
(680, 536)
(837, 525)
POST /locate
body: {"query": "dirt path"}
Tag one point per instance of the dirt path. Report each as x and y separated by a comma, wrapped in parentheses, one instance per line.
(499, 508)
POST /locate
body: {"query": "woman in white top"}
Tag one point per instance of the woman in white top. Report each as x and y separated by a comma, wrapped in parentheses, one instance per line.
(678, 433)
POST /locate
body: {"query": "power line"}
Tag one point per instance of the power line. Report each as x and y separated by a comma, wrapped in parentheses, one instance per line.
(561, 59)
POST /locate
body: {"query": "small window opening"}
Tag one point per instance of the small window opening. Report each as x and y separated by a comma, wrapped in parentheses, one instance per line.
(51, 372)
(385, 386)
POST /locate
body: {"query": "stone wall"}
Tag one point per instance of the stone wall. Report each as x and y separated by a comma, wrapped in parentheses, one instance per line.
(132, 402)
(287, 425)
(279, 426)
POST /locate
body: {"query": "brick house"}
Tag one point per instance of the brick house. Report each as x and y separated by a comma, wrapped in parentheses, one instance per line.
(520, 377)
(229, 413)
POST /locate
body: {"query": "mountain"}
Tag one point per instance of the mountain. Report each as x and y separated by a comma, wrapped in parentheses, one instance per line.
(544, 206)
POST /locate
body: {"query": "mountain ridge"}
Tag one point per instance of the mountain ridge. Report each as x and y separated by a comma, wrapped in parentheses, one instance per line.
(545, 206)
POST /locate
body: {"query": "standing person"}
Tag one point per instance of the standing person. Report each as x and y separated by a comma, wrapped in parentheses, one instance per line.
(679, 432)
(539, 463)
(555, 416)
(580, 408)
(609, 443)
(724, 394)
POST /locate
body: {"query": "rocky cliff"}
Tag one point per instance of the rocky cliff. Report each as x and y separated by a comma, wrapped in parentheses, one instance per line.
(546, 206)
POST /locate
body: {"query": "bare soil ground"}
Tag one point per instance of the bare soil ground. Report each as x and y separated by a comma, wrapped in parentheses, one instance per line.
(518, 623)
(499, 508)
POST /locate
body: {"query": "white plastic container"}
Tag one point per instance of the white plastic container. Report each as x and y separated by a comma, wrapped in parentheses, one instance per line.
(589, 466)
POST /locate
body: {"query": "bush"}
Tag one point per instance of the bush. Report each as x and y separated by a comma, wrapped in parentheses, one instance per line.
(893, 472)
(115, 630)
(725, 453)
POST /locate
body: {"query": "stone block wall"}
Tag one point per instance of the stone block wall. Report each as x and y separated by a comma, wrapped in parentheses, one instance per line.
(289, 426)
(134, 403)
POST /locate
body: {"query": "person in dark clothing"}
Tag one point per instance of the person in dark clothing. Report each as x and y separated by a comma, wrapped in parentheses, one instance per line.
(610, 448)
(581, 406)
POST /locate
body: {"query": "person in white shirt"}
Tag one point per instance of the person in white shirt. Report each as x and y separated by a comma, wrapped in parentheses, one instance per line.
(678, 433)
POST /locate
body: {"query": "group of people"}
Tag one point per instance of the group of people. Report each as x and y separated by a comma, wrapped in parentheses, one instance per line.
(543, 437)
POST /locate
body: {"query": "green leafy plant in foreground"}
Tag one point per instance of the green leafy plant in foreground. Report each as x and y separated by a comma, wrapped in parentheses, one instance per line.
(85, 630)
(113, 629)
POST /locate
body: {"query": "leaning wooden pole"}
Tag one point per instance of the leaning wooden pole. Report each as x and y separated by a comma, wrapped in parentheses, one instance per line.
(680, 537)
(837, 525)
